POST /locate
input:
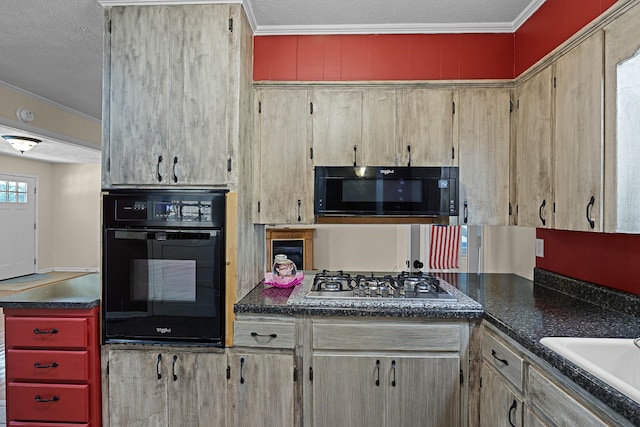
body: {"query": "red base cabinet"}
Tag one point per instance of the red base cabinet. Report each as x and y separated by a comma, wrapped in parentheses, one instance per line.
(52, 367)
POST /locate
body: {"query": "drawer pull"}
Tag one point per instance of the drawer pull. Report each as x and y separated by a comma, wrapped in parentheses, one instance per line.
(53, 399)
(513, 407)
(51, 365)
(495, 356)
(47, 331)
(255, 334)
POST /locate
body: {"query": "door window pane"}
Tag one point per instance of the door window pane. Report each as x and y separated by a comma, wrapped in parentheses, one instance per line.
(13, 192)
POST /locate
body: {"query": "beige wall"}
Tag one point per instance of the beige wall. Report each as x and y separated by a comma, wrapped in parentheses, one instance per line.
(509, 250)
(67, 210)
(76, 217)
(49, 120)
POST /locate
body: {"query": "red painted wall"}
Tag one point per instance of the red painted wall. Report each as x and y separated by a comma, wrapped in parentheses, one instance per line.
(383, 57)
(553, 23)
(611, 260)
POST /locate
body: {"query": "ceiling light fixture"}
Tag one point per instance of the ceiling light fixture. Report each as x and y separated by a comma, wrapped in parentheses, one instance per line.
(21, 143)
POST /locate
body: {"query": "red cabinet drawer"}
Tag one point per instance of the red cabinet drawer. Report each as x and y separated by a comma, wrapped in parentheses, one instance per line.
(47, 365)
(48, 402)
(22, 424)
(41, 332)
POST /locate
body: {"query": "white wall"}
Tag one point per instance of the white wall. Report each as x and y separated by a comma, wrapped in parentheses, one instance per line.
(76, 217)
(509, 250)
(68, 212)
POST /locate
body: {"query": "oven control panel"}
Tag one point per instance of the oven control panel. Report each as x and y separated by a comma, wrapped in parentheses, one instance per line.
(159, 209)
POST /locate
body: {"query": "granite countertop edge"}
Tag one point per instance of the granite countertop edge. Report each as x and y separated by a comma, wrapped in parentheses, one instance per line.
(72, 294)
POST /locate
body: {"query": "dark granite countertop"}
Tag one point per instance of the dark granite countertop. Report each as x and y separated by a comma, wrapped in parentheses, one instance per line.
(554, 306)
(78, 293)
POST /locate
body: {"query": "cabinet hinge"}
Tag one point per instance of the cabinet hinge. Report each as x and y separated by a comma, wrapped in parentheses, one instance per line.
(259, 107)
(311, 153)
(510, 209)
(518, 104)
(35, 226)
(510, 106)
(109, 29)
(461, 377)
(231, 24)
(295, 374)
(109, 164)
(229, 164)
(453, 108)
(554, 82)
(453, 153)
(311, 108)
(554, 207)
(228, 372)
(258, 206)
(34, 261)
(480, 382)
(310, 373)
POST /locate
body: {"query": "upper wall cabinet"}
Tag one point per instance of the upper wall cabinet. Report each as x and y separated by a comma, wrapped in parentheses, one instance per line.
(336, 120)
(379, 142)
(578, 137)
(622, 127)
(284, 175)
(484, 128)
(534, 156)
(425, 127)
(171, 95)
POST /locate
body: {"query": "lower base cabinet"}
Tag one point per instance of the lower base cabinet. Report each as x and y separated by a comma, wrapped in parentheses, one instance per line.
(264, 389)
(164, 386)
(499, 405)
(386, 390)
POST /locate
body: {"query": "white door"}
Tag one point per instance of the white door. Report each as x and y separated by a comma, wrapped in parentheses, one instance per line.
(17, 226)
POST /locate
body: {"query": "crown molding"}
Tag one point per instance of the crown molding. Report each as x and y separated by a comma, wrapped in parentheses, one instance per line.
(526, 14)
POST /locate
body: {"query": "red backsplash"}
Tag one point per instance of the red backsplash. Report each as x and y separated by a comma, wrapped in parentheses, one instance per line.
(611, 260)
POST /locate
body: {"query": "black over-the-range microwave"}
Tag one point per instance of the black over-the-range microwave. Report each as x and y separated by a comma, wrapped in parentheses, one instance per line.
(386, 191)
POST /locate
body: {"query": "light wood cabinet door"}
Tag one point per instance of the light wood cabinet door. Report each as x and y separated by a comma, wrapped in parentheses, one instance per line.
(425, 124)
(169, 99)
(578, 137)
(499, 406)
(264, 390)
(348, 390)
(484, 123)
(379, 142)
(284, 174)
(149, 387)
(534, 155)
(426, 391)
(336, 127)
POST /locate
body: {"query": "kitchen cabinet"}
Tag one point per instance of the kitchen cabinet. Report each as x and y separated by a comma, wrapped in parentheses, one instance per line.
(534, 155)
(284, 178)
(621, 174)
(388, 374)
(578, 161)
(499, 405)
(542, 397)
(379, 146)
(336, 126)
(484, 137)
(172, 95)
(165, 386)
(425, 127)
(265, 388)
(52, 367)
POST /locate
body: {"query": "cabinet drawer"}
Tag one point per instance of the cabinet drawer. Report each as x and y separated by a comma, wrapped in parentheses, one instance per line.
(48, 402)
(557, 405)
(46, 332)
(46, 365)
(505, 361)
(45, 424)
(382, 337)
(252, 333)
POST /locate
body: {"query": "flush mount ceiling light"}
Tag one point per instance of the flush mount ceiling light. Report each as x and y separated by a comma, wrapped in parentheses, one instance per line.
(21, 143)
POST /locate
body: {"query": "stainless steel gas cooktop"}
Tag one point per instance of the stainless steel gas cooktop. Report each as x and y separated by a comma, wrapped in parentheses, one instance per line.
(405, 285)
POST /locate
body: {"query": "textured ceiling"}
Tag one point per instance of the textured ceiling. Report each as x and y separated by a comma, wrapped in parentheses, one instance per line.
(53, 48)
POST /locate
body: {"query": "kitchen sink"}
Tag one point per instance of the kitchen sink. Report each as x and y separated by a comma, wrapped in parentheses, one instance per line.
(615, 361)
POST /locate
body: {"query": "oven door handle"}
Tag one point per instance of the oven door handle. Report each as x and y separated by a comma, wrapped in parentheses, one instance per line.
(162, 235)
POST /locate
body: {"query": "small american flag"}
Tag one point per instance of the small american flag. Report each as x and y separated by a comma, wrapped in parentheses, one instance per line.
(444, 247)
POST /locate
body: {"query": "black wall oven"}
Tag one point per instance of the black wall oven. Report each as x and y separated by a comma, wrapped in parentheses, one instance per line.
(163, 266)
